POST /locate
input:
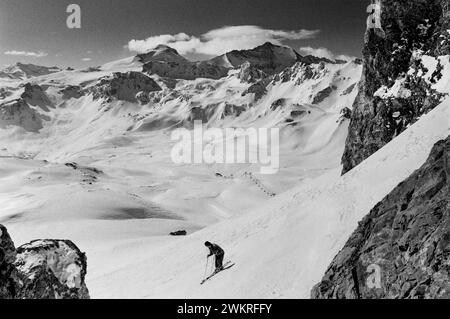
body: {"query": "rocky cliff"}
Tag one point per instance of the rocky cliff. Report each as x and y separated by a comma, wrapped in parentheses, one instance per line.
(168, 63)
(393, 57)
(130, 86)
(42, 269)
(402, 248)
(268, 58)
(19, 113)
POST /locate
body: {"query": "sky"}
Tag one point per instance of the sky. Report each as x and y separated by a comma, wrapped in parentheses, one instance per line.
(35, 31)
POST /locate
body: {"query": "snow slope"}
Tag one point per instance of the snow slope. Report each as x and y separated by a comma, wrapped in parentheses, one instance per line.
(282, 249)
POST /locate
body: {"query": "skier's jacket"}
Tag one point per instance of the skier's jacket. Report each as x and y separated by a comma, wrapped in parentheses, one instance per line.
(215, 250)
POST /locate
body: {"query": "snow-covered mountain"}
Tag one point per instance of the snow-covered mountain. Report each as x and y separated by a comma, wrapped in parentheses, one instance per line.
(25, 71)
(86, 155)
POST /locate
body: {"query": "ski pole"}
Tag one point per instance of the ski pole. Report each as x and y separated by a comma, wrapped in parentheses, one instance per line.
(206, 267)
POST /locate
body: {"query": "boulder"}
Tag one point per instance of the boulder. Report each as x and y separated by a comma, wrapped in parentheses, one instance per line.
(42, 269)
(179, 233)
(51, 269)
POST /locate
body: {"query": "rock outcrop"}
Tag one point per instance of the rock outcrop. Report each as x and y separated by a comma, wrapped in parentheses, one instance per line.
(131, 87)
(8, 272)
(250, 74)
(19, 113)
(259, 88)
(402, 248)
(185, 71)
(168, 63)
(268, 58)
(42, 269)
(71, 92)
(36, 96)
(410, 29)
(51, 269)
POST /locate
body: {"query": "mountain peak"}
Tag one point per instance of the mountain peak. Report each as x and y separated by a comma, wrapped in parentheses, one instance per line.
(163, 53)
(22, 71)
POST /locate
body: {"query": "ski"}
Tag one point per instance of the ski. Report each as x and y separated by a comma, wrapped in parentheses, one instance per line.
(227, 265)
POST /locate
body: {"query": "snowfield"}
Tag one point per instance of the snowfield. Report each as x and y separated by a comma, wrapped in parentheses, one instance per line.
(100, 174)
(282, 249)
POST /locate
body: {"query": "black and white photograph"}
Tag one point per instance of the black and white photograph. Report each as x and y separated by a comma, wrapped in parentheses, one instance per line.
(235, 151)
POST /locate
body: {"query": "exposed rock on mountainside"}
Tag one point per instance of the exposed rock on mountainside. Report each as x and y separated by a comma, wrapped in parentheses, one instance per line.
(393, 58)
(166, 62)
(322, 95)
(71, 92)
(8, 272)
(255, 64)
(130, 86)
(162, 53)
(4, 93)
(42, 269)
(19, 113)
(51, 269)
(185, 71)
(268, 58)
(24, 71)
(259, 88)
(250, 74)
(402, 248)
(35, 95)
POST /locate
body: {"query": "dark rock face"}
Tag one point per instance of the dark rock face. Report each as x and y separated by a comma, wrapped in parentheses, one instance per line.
(233, 110)
(268, 58)
(186, 70)
(277, 104)
(42, 269)
(250, 74)
(322, 95)
(8, 272)
(402, 248)
(259, 88)
(71, 92)
(408, 26)
(35, 95)
(179, 233)
(4, 93)
(130, 86)
(19, 113)
(161, 53)
(168, 63)
(51, 269)
(349, 90)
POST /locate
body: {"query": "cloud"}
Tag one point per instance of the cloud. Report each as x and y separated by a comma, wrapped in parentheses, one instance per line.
(39, 54)
(86, 59)
(222, 40)
(324, 53)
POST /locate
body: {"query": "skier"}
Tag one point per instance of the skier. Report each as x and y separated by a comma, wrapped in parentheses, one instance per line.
(218, 252)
